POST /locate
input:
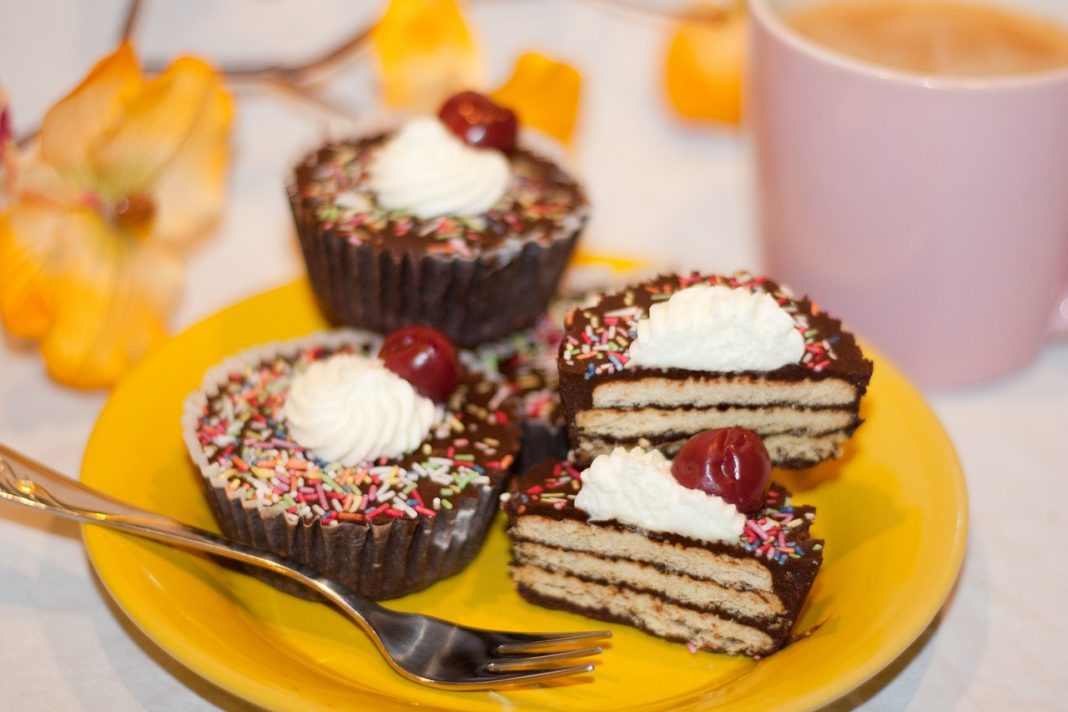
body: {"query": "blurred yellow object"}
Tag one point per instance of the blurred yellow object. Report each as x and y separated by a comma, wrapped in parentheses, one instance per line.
(125, 171)
(617, 263)
(705, 59)
(544, 93)
(425, 53)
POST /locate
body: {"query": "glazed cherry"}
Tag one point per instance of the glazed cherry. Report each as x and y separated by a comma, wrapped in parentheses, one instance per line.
(424, 357)
(479, 121)
(731, 463)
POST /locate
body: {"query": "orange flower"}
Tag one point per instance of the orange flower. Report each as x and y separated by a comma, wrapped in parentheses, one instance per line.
(425, 53)
(545, 93)
(703, 69)
(126, 170)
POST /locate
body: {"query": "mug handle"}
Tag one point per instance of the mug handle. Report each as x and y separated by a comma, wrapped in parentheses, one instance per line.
(1058, 323)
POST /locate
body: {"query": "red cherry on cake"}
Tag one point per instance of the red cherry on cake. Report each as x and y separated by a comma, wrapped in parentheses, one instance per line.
(479, 121)
(731, 463)
(424, 357)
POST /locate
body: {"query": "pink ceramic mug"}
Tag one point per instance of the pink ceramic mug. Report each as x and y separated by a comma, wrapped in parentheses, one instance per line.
(930, 214)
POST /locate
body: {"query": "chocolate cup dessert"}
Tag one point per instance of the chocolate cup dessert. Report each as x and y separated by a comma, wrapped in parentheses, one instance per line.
(383, 528)
(476, 278)
(526, 361)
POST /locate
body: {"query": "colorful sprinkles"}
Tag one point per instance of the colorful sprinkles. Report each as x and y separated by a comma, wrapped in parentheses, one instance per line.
(541, 202)
(526, 361)
(243, 432)
(769, 534)
(600, 345)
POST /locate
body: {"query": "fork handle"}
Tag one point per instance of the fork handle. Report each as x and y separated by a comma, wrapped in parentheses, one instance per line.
(31, 484)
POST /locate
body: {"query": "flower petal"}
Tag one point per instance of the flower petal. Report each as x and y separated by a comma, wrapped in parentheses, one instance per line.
(703, 67)
(42, 183)
(425, 53)
(190, 192)
(153, 128)
(29, 248)
(111, 297)
(75, 123)
(544, 93)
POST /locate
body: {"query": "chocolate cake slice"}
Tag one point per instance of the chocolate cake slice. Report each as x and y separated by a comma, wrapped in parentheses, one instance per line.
(805, 408)
(738, 596)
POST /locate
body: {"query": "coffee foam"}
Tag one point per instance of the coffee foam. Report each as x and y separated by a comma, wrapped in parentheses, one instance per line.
(936, 38)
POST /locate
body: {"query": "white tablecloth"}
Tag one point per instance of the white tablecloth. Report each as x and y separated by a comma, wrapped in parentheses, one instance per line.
(660, 189)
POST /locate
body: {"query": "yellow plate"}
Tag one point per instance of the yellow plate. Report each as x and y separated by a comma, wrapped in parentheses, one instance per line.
(893, 513)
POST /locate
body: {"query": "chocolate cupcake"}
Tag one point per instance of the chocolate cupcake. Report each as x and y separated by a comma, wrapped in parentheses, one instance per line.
(412, 224)
(526, 362)
(312, 449)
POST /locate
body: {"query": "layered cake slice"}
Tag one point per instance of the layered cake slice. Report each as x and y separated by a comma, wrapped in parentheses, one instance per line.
(655, 363)
(624, 541)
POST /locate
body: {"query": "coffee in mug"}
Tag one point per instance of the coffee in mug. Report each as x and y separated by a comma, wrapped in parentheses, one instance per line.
(948, 38)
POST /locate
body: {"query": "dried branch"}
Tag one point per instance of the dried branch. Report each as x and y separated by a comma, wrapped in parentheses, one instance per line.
(133, 14)
(306, 95)
(298, 80)
(299, 74)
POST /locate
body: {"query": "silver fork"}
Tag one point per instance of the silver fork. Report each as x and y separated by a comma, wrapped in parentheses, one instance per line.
(421, 648)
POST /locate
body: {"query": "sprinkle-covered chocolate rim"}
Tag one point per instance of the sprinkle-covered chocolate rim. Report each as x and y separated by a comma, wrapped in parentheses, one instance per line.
(597, 339)
(265, 469)
(551, 207)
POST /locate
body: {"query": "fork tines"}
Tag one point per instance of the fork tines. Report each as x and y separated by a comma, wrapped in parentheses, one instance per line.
(531, 658)
(532, 662)
(546, 642)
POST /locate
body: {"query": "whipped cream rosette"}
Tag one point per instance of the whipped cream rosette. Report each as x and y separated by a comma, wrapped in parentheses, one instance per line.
(315, 451)
(352, 409)
(411, 222)
(427, 171)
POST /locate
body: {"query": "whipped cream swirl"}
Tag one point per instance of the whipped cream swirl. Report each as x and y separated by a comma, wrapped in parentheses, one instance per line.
(427, 171)
(636, 487)
(352, 409)
(717, 328)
